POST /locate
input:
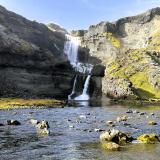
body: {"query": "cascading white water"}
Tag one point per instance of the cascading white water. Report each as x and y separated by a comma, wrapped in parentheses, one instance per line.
(71, 50)
(84, 96)
(73, 89)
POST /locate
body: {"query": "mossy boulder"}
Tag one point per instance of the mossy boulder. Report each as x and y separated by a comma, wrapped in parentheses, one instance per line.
(116, 136)
(111, 146)
(152, 123)
(148, 138)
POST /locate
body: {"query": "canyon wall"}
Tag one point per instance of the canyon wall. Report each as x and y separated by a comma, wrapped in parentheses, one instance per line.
(130, 50)
(32, 63)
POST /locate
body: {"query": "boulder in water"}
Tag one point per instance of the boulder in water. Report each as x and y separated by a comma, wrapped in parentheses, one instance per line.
(111, 146)
(148, 138)
(114, 135)
(13, 122)
(43, 128)
(152, 123)
(122, 118)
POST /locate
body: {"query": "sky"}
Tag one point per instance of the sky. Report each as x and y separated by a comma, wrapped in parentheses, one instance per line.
(78, 14)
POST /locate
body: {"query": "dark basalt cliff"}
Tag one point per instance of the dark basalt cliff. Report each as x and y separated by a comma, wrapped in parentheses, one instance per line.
(31, 58)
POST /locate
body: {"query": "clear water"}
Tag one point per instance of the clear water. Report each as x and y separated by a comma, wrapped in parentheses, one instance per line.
(72, 134)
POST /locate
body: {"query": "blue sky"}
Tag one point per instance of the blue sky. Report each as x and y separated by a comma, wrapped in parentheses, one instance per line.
(77, 14)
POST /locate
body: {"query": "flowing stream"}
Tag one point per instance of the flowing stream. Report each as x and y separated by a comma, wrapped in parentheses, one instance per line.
(74, 88)
(71, 51)
(72, 133)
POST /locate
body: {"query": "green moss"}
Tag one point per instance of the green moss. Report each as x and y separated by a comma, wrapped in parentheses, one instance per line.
(9, 103)
(25, 46)
(148, 138)
(114, 41)
(144, 89)
(135, 66)
(154, 42)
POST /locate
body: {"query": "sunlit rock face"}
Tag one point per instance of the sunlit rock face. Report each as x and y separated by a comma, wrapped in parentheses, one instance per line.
(125, 55)
(129, 49)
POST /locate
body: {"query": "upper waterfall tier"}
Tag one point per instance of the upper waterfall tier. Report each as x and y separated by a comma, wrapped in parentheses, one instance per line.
(71, 51)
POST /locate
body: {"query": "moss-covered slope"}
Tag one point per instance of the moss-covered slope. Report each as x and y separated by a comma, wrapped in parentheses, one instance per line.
(130, 50)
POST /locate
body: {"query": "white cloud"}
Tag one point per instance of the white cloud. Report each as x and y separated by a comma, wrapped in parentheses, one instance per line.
(148, 1)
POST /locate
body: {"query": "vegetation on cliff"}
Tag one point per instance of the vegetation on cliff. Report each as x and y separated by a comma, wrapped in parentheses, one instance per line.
(112, 39)
(139, 66)
(130, 50)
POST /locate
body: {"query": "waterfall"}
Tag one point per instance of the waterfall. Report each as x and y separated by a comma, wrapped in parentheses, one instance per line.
(71, 51)
(84, 95)
(73, 89)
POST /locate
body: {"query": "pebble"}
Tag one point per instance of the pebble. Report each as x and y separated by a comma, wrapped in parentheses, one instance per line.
(111, 146)
(99, 130)
(142, 113)
(109, 122)
(126, 124)
(152, 123)
(1, 124)
(34, 121)
(129, 111)
(71, 126)
(82, 116)
(135, 111)
(122, 118)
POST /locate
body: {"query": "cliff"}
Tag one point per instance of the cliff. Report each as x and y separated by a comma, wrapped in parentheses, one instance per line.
(32, 63)
(130, 50)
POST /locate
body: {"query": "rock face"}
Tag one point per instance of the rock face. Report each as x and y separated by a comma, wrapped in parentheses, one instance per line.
(130, 50)
(32, 62)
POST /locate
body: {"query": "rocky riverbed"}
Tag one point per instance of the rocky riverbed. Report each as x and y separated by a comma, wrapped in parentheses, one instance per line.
(75, 130)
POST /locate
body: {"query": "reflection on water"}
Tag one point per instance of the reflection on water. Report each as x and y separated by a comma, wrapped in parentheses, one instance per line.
(72, 133)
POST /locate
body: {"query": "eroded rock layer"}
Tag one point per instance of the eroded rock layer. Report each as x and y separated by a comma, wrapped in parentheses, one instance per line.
(130, 50)
(32, 63)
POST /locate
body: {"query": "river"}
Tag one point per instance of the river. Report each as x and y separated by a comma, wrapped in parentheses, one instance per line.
(72, 133)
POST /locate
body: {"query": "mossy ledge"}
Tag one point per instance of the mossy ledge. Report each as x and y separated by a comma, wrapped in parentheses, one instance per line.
(12, 103)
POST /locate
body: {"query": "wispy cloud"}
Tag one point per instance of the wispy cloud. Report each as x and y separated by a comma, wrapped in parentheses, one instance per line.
(148, 1)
